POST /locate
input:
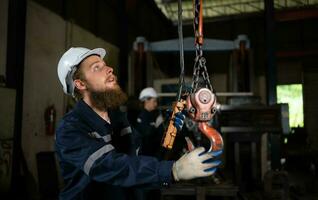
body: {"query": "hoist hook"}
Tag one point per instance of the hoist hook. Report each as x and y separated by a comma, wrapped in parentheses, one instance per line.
(215, 138)
(201, 103)
(216, 141)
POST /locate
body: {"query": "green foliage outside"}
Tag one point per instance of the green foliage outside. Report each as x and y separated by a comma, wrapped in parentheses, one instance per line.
(293, 95)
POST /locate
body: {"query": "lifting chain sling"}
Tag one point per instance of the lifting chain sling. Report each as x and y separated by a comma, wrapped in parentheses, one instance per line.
(201, 102)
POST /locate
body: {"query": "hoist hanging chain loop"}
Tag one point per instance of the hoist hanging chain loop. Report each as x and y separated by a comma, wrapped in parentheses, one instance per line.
(199, 69)
(198, 23)
(201, 102)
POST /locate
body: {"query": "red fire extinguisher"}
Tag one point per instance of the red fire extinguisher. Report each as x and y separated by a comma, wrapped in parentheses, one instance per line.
(49, 117)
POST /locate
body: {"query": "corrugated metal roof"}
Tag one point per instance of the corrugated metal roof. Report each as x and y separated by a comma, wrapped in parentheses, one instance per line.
(219, 8)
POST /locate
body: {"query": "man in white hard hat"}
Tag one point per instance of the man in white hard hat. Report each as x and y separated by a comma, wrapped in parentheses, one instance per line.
(150, 123)
(150, 128)
(149, 98)
(93, 162)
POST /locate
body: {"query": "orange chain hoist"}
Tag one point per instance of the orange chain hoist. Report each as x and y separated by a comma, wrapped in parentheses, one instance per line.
(201, 102)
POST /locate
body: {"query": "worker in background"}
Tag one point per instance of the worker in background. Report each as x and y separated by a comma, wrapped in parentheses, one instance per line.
(150, 123)
(93, 164)
(149, 126)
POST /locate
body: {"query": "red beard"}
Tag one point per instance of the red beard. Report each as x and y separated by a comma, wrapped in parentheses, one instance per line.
(108, 99)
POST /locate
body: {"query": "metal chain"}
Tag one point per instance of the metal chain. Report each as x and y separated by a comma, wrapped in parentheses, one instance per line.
(201, 76)
(199, 68)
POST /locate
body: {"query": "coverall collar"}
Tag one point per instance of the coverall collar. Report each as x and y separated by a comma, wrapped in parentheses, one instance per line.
(88, 114)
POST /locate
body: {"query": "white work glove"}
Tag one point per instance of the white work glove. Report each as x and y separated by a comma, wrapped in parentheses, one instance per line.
(195, 164)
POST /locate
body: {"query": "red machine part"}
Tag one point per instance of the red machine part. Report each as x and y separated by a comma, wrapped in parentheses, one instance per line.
(201, 105)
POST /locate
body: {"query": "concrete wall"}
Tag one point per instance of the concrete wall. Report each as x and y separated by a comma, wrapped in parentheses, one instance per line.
(3, 35)
(7, 110)
(7, 106)
(47, 37)
(310, 105)
(45, 41)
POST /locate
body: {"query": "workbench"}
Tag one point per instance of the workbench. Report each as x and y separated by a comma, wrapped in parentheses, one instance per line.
(201, 191)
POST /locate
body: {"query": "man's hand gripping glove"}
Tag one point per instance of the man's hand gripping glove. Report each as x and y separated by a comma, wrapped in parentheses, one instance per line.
(195, 164)
(179, 120)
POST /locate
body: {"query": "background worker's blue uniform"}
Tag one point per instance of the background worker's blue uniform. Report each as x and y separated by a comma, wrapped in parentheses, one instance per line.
(91, 159)
(150, 127)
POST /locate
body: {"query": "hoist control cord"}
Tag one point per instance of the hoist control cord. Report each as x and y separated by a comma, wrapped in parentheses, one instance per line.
(171, 132)
(180, 33)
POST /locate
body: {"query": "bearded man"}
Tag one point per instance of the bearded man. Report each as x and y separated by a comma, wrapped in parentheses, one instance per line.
(93, 141)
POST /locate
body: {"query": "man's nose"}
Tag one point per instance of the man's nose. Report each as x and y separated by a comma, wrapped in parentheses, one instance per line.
(109, 70)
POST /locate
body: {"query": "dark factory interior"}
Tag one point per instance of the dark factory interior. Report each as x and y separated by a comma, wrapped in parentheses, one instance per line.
(237, 77)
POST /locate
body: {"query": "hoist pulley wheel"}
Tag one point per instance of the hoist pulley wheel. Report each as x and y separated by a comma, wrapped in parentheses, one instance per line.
(201, 105)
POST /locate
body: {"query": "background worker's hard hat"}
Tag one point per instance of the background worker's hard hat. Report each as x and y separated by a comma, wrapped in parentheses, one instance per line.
(147, 93)
(69, 62)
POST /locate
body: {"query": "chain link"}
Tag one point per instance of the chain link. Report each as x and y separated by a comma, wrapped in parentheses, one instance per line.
(200, 74)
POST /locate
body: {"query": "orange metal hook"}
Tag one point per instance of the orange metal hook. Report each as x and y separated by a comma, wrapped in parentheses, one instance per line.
(213, 135)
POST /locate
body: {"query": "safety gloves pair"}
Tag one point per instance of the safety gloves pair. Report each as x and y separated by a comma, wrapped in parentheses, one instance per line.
(196, 163)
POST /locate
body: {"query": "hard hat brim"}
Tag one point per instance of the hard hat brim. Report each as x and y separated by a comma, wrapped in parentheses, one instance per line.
(148, 92)
(98, 51)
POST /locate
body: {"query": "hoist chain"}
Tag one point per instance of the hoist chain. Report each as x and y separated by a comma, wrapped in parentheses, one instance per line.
(200, 74)
(201, 102)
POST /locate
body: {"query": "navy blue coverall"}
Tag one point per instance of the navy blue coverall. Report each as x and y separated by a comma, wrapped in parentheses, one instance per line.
(91, 159)
(151, 132)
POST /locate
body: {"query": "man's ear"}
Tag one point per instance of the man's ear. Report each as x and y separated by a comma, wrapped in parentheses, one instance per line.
(80, 85)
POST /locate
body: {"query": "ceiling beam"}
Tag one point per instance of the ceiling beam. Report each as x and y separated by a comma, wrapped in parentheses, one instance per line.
(292, 15)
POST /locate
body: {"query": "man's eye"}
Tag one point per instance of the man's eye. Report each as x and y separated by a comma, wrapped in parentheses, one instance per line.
(96, 68)
(99, 67)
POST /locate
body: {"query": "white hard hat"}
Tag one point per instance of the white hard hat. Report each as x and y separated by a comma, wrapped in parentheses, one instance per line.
(146, 93)
(68, 65)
